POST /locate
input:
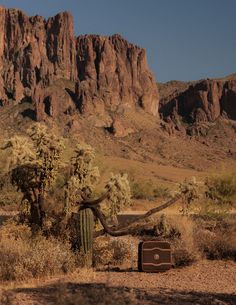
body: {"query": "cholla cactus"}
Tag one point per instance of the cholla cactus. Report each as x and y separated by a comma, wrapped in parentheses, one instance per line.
(48, 152)
(189, 192)
(84, 176)
(20, 151)
(119, 194)
(33, 165)
(83, 167)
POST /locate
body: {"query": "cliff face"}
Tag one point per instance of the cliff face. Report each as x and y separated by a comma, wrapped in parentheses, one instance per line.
(202, 102)
(109, 73)
(228, 100)
(114, 73)
(33, 52)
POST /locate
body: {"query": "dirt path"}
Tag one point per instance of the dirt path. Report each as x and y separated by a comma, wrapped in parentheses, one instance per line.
(206, 282)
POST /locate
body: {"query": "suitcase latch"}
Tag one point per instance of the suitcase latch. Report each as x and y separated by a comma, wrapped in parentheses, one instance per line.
(156, 257)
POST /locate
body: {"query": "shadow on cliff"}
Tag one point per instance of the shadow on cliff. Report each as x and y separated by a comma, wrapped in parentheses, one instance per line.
(72, 95)
(29, 113)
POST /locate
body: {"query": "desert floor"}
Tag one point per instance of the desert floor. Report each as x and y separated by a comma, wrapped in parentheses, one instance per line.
(206, 282)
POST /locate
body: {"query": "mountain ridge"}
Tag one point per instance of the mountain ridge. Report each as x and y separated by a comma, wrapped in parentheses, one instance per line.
(99, 89)
(109, 72)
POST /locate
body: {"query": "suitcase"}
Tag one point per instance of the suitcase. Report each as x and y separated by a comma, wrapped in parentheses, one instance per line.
(154, 256)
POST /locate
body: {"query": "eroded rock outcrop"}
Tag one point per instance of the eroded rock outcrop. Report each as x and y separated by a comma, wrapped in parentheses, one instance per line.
(228, 99)
(109, 73)
(202, 102)
(113, 74)
(35, 51)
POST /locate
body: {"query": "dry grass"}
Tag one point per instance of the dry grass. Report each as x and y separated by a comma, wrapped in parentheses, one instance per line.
(7, 298)
(149, 190)
(217, 244)
(179, 231)
(183, 254)
(221, 188)
(25, 256)
(193, 239)
(116, 252)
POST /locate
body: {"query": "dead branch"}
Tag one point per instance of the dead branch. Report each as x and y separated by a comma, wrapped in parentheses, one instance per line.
(94, 202)
(126, 230)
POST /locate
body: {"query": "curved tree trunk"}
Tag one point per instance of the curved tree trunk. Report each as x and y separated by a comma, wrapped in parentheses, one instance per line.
(127, 229)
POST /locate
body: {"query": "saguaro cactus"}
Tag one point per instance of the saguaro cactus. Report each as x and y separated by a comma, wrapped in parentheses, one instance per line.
(86, 231)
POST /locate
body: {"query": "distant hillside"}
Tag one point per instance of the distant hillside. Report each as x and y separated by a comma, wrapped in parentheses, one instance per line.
(99, 90)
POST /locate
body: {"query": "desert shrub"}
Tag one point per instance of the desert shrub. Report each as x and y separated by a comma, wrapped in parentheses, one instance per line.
(217, 245)
(166, 228)
(25, 256)
(116, 252)
(9, 197)
(210, 211)
(142, 190)
(221, 188)
(161, 191)
(103, 254)
(179, 231)
(8, 298)
(183, 254)
(184, 249)
(124, 251)
(148, 190)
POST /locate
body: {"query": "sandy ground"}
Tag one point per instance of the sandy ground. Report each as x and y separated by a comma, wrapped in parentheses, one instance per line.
(206, 282)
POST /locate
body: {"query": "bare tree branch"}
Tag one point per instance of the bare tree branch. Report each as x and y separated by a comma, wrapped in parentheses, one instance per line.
(127, 229)
(94, 202)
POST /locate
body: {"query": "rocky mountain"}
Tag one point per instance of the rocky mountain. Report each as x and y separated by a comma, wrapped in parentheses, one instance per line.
(100, 90)
(105, 74)
(200, 102)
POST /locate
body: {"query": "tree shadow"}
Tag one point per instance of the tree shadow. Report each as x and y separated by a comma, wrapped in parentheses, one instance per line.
(103, 294)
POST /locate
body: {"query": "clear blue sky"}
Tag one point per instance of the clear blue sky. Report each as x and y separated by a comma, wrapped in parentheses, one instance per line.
(185, 39)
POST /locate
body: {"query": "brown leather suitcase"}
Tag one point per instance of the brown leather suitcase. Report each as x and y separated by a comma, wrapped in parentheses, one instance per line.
(154, 256)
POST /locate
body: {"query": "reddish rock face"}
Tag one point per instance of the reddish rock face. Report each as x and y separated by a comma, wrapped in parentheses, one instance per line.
(203, 102)
(228, 100)
(34, 51)
(110, 73)
(114, 74)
